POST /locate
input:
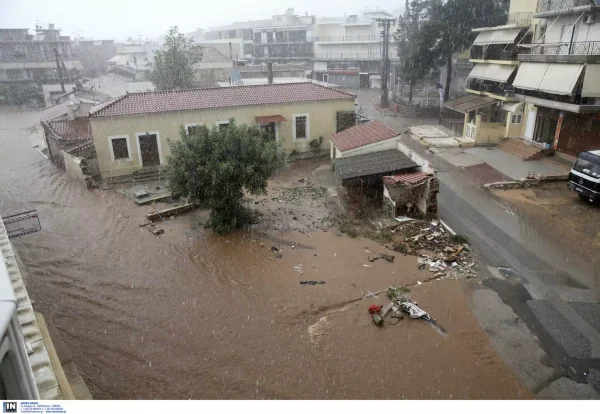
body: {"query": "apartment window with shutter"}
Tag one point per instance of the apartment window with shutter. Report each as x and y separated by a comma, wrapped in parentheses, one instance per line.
(120, 148)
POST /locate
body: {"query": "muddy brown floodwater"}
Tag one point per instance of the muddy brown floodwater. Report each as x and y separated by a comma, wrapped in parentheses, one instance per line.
(192, 315)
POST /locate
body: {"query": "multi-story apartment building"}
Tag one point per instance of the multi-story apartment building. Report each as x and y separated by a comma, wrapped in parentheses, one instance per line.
(282, 38)
(93, 54)
(348, 51)
(342, 51)
(537, 78)
(31, 60)
(558, 78)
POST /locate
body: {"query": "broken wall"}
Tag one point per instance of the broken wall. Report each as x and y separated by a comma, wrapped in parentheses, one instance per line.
(77, 169)
(416, 201)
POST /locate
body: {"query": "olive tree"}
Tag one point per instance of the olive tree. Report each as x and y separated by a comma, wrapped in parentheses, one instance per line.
(216, 167)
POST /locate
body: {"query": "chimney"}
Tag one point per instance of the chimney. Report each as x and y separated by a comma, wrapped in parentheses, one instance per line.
(230, 51)
(71, 111)
(270, 73)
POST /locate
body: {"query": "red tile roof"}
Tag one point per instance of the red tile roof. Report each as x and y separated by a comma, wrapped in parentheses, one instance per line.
(270, 118)
(363, 134)
(190, 99)
(76, 130)
(407, 179)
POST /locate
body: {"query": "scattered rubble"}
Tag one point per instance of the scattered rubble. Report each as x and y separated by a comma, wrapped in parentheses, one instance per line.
(153, 228)
(386, 257)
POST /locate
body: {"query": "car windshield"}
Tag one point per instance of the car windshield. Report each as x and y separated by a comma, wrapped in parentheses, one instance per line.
(589, 165)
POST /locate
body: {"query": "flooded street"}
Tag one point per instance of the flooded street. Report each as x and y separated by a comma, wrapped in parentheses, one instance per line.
(193, 315)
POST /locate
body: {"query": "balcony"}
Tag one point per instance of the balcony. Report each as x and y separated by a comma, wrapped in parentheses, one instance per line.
(353, 56)
(494, 52)
(484, 87)
(350, 39)
(576, 52)
(519, 19)
(547, 8)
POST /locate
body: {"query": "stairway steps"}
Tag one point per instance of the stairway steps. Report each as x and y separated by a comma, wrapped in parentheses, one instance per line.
(521, 149)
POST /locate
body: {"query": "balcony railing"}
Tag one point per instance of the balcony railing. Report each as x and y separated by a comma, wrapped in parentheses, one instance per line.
(520, 19)
(546, 6)
(575, 48)
(494, 52)
(362, 38)
(496, 88)
(353, 56)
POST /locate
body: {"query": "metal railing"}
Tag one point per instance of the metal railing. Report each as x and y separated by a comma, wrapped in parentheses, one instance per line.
(520, 19)
(496, 88)
(545, 6)
(494, 52)
(353, 56)
(361, 38)
(575, 48)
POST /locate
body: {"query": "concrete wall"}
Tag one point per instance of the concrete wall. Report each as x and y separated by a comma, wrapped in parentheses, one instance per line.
(424, 164)
(489, 132)
(322, 122)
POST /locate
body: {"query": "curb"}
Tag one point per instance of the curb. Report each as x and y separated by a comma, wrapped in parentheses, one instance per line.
(526, 182)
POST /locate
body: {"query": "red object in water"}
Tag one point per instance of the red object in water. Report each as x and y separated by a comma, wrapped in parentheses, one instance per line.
(373, 309)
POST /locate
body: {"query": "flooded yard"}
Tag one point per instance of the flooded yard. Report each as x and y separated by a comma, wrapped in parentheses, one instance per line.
(189, 314)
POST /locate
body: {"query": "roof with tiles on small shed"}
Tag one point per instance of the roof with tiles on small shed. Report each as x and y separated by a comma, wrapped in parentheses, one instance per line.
(409, 179)
(363, 134)
(70, 130)
(142, 103)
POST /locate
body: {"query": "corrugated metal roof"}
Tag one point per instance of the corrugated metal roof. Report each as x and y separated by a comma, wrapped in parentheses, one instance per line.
(407, 179)
(363, 134)
(41, 366)
(190, 99)
(469, 103)
(374, 163)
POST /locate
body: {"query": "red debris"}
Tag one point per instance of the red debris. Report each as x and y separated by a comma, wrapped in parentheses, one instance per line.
(373, 309)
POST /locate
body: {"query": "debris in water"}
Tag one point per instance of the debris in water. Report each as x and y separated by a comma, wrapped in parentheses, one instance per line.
(312, 282)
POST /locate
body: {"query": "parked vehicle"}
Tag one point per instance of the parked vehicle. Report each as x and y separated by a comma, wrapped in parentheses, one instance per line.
(585, 176)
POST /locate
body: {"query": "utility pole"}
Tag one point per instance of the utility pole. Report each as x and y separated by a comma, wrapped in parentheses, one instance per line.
(62, 83)
(385, 23)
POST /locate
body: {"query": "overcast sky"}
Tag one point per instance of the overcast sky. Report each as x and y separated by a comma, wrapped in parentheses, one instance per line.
(119, 19)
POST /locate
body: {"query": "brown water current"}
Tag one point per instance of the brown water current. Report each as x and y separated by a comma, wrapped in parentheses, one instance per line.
(204, 317)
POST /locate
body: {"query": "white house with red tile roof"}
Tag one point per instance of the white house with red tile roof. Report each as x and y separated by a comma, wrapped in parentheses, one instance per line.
(131, 133)
(369, 137)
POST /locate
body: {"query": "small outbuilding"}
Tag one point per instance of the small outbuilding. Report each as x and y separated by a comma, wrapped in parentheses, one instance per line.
(364, 138)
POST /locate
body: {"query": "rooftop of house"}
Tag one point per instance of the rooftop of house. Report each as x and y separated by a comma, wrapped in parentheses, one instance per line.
(388, 162)
(211, 54)
(363, 134)
(409, 179)
(236, 96)
(70, 130)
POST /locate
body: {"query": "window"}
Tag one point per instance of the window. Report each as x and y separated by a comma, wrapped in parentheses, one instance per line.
(223, 124)
(120, 148)
(301, 127)
(190, 128)
(516, 119)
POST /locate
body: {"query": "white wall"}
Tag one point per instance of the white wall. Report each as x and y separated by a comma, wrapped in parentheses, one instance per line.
(584, 32)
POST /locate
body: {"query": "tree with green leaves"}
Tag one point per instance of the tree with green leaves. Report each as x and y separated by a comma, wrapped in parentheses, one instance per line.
(453, 22)
(415, 42)
(216, 167)
(173, 66)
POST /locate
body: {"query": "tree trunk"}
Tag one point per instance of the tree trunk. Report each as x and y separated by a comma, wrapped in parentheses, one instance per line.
(448, 77)
(410, 92)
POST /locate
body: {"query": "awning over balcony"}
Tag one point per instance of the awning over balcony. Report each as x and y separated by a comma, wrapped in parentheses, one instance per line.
(591, 82)
(561, 78)
(492, 72)
(269, 119)
(497, 37)
(530, 76)
(555, 78)
(469, 103)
